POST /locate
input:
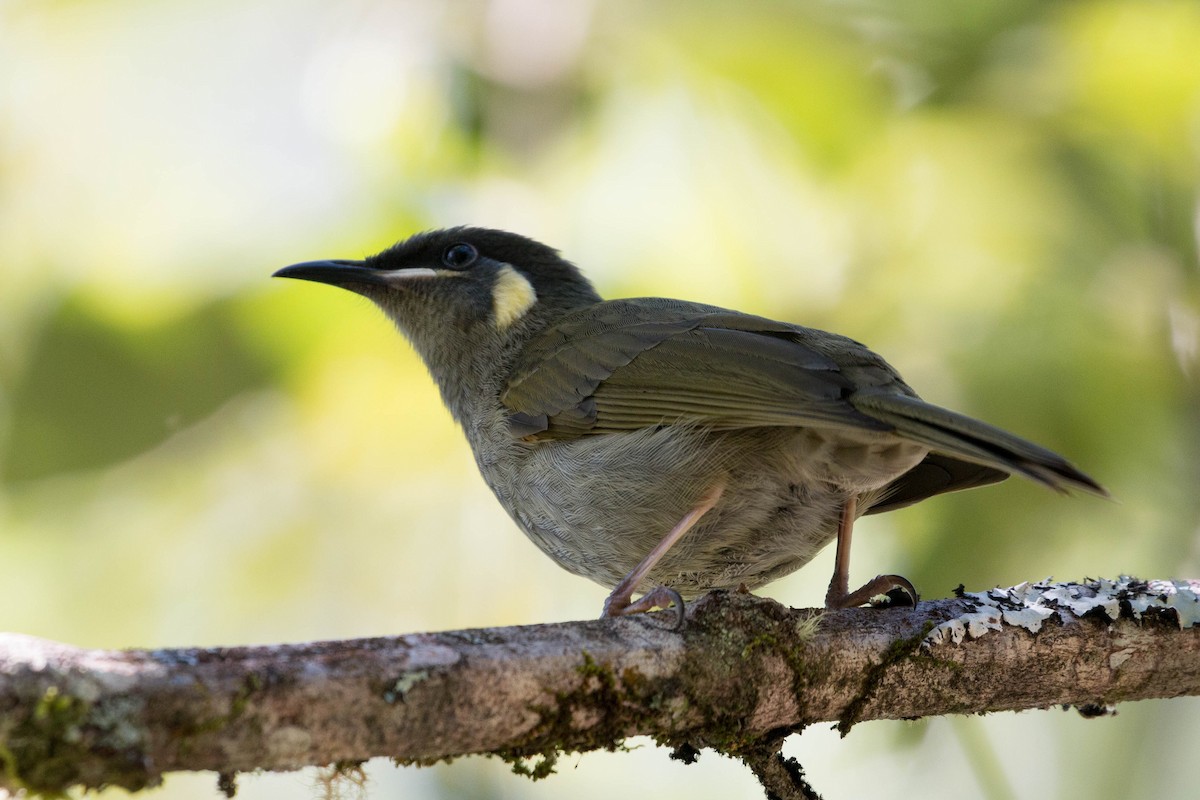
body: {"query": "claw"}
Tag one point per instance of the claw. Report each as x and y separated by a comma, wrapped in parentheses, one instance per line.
(884, 591)
(902, 594)
(658, 597)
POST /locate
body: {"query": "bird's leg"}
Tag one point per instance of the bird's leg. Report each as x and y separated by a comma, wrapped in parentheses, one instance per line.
(898, 590)
(620, 602)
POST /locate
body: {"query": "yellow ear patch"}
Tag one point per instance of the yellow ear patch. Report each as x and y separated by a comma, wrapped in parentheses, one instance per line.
(512, 296)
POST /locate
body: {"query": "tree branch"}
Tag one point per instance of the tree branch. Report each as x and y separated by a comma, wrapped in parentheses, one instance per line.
(743, 674)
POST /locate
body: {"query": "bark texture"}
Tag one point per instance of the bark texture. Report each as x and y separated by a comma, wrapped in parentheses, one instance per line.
(742, 674)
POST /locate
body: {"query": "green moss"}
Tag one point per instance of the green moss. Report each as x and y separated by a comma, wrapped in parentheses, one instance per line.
(704, 705)
(44, 752)
(601, 693)
(899, 650)
(744, 634)
(41, 751)
(533, 767)
(251, 685)
(404, 684)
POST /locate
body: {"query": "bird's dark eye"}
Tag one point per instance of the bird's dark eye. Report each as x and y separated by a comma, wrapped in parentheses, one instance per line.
(459, 256)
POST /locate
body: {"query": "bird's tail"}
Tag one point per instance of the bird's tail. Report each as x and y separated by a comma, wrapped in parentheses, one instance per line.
(969, 439)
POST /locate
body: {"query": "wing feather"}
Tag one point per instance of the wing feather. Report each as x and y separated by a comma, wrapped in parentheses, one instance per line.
(624, 365)
(639, 363)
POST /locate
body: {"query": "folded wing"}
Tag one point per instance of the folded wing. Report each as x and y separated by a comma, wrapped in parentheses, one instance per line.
(628, 364)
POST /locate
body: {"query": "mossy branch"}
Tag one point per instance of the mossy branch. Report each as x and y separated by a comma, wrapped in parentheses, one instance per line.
(742, 674)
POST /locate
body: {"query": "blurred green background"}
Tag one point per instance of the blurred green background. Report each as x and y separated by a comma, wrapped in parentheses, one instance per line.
(1000, 196)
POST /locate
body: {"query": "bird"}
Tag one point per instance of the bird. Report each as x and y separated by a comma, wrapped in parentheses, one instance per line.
(666, 448)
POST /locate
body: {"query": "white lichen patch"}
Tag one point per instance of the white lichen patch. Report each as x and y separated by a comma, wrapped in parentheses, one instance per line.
(116, 718)
(405, 683)
(1182, 596)
(1029, 605)
(1030, 618)
(966, 626)
(1081, 599)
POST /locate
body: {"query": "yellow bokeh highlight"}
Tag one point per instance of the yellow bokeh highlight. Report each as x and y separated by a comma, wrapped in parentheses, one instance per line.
(1134, 66)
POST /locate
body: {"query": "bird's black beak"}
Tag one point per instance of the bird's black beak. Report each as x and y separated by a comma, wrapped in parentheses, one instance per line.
(335, 272)
(341, 272)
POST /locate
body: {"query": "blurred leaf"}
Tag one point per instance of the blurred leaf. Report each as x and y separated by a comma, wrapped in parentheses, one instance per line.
(801, 66)
(1132, 68)
(97, 390)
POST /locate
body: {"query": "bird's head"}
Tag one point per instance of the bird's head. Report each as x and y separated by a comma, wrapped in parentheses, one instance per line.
(465, 297)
